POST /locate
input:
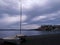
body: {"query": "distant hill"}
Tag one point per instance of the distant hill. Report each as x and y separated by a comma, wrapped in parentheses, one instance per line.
(49, 28)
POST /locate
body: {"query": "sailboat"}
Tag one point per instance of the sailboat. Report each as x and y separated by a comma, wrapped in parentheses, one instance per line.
(19, 37)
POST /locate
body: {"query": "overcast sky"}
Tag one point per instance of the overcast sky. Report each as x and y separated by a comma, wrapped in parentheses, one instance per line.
(34, 13)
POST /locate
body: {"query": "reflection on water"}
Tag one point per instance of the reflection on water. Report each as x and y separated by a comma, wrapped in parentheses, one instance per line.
(28, 33)
(8, 33)
(12, 33)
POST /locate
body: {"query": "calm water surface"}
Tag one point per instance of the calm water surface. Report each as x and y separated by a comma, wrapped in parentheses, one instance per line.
(28, 33)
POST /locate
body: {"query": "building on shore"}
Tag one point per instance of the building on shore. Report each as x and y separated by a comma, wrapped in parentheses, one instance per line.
(49, 27)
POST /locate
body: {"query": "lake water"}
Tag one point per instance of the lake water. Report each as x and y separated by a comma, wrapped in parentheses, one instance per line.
(26, 32)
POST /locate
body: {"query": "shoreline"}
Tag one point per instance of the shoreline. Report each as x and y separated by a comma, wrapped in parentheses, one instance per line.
(49, 39)
(43, 40)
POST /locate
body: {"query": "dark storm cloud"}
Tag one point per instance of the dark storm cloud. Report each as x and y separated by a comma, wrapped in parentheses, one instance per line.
(9, 13)
(42, 11)
(37, 10)
(10, 7)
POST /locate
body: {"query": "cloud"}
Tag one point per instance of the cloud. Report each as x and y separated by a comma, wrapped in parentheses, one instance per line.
(47, 17)
(46, 7)
(33, 12)
(38, 18)
(12, 4)
(31, 26)
(41, 11)
(7, 19)
(23, 17)
(12, 19)
(11, 7)
(24, 23)
(27, 4)
(9, 13)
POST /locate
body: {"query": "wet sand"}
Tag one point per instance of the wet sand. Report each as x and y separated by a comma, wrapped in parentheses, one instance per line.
(49, 39)
(43, 40)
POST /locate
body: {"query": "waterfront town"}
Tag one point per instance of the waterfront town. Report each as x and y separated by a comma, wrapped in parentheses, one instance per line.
(49, 28)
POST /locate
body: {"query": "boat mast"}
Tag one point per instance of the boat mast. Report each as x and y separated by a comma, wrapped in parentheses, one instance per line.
(20, 15)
